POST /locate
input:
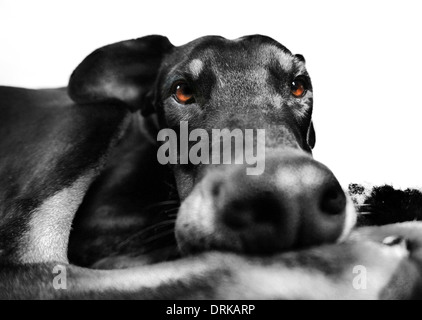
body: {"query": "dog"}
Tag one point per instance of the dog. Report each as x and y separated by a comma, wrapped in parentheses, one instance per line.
(85, 148)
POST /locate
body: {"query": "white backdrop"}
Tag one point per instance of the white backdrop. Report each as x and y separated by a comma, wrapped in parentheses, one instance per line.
(364, 57)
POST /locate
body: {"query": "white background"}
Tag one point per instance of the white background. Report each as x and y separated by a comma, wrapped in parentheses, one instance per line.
(364, 57)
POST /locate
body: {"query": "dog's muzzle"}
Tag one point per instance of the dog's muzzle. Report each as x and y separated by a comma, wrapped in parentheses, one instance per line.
(297, 202)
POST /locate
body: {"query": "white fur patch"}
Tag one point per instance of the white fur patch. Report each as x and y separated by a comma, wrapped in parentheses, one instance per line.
(50, 224)
(195, 67)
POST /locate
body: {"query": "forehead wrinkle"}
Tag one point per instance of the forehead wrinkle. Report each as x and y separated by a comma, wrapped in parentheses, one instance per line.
(251, 87)
(241, 80)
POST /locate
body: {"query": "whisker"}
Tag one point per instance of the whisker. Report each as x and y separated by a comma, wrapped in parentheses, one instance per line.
(154, 228)
(162, 204)
(169, 211)
(158, 236)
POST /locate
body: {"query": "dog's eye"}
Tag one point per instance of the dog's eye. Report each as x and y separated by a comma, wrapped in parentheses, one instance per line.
(183, 93)
(298, 87)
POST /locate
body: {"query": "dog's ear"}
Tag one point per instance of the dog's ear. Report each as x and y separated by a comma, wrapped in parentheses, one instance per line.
(300, 57)
(310, 136)
(124, 71)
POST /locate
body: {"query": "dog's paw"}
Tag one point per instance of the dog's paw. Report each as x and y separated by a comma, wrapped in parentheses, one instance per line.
(363, 269)
(407, 235)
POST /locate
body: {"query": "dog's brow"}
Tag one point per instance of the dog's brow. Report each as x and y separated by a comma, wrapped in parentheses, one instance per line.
(195, 67)
(285, 59)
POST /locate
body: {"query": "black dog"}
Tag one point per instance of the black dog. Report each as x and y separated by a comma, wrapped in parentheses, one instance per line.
(53, 147)
(248, 83)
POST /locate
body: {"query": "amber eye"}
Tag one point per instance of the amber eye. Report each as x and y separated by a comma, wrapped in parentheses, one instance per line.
(298, 87)
(183, 93)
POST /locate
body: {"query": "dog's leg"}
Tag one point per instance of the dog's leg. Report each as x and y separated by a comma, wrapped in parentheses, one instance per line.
(326, 272)
(51, 150)
(50, 223)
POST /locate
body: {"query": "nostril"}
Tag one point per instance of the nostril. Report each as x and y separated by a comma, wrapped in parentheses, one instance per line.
(333, 200)
(267, 207)
(216, 188)
(237, 215)
(262, 208)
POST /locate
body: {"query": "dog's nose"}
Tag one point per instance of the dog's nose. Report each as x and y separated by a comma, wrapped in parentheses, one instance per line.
(296, 202)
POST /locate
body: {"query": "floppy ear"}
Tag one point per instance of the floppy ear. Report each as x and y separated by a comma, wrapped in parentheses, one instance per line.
(124, 71)
(300, 57)
(310, 137)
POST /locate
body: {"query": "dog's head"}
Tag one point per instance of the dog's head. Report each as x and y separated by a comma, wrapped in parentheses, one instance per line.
(241, 114)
